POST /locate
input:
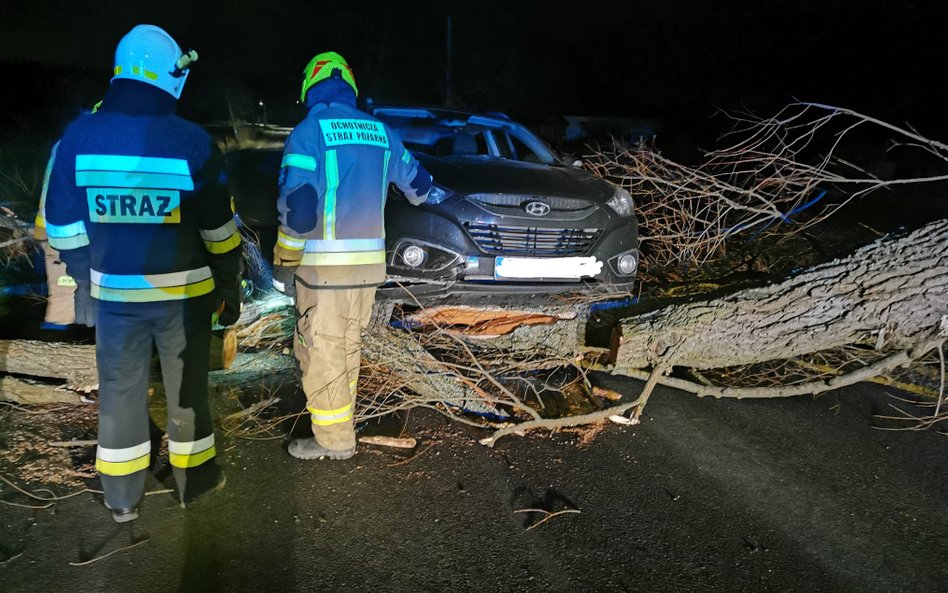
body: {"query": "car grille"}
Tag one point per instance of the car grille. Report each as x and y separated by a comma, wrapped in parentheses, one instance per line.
(517, 240)
(516, 201)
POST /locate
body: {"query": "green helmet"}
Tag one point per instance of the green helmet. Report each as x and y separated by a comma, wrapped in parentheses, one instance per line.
(321, 67)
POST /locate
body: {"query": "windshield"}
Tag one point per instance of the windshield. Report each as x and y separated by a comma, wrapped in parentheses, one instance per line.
(466, 136)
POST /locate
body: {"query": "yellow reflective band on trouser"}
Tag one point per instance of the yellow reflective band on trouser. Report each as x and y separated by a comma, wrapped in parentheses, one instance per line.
(330, 417)
(290, 243)
(344, 259)
(123, 462)
(185, 454)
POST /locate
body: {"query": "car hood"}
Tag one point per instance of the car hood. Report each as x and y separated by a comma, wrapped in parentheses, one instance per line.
(473, 175)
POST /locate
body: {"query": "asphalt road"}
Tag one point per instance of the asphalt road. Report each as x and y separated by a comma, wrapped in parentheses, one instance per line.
(792, 495)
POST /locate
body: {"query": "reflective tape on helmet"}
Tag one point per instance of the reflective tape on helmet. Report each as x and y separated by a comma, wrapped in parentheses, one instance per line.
(300, 161)
(137, 71)
(135, 288)
(323, 417)
(148, 54)
(185, 454)
(222, 239)
(123, 462)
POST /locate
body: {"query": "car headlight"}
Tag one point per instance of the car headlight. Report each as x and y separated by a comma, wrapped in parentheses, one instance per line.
(622, 203)
(438, 194)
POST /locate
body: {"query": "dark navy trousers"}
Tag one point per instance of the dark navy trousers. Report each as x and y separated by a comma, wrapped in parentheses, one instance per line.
(127, 335)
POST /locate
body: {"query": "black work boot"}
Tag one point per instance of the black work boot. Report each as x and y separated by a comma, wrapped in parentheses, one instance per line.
(198, 483)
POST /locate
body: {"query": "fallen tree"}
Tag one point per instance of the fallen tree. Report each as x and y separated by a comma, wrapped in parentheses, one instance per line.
(887, 300)
(893, 293)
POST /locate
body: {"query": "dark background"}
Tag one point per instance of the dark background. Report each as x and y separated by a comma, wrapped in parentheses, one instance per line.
(674, 60)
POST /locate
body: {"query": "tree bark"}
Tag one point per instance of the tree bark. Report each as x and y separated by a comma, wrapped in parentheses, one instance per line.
(32, 394)
(552, 331)
(894, 292)
(76, 364)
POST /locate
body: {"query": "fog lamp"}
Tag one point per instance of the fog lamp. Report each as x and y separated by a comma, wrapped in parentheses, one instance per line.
(414, 256)
(626, 264)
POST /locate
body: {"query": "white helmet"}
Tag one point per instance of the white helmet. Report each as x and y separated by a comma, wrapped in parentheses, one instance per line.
(148, 54)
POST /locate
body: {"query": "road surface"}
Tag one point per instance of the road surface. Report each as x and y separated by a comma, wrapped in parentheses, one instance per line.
(723, 496)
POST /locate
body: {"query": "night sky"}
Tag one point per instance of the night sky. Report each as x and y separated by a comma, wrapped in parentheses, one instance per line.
(674, 60)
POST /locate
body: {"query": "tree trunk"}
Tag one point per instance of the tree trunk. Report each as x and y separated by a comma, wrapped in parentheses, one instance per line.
(893, 292)
(76, 364)
(556, 332)
(23, 392)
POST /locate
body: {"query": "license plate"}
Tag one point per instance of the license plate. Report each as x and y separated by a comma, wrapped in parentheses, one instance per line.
(552, 268)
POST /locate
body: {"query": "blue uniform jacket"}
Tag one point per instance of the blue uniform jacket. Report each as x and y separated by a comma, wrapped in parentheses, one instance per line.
(136, 202)
(336, 170)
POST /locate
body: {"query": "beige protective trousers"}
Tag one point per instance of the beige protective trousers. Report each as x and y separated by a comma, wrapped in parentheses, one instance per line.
(60, 308)
(328, 346)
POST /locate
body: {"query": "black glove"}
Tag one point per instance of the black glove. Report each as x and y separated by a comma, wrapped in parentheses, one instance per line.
(87, 308)
(284, 280)
(228, 314)
(229, 311)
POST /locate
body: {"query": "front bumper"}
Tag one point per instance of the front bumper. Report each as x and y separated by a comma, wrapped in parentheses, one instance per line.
(460, 255)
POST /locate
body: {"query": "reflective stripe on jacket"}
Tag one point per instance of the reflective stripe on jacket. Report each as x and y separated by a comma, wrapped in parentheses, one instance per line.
(334, 179)
(139, 193)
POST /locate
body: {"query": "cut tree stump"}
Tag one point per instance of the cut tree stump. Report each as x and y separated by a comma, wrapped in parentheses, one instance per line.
(552, 331)
(893, 292)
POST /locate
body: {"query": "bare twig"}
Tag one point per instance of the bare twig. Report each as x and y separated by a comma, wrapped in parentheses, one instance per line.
(72, 443)
(97, 558)
(547, 515)
(412, 458)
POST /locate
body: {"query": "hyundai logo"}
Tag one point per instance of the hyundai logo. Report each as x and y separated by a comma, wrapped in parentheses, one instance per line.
(536, 208)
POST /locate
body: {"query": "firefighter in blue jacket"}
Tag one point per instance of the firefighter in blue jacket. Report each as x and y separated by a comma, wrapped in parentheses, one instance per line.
(337, 167)
(137, 209)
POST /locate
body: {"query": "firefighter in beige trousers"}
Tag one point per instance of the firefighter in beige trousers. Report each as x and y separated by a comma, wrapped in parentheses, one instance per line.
(328, 346)
(330, 252)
